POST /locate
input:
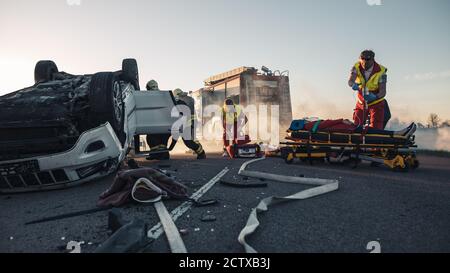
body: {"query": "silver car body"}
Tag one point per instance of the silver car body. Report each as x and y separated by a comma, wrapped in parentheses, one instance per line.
(97, 152)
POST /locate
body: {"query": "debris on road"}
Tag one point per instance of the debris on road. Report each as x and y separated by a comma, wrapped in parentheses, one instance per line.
(208, 218)
(115, 219)
(184, 231)
(129, 238)
(67, 215)
(243, 185)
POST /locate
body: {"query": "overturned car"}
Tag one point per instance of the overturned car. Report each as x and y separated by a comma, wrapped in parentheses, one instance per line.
(69, 129)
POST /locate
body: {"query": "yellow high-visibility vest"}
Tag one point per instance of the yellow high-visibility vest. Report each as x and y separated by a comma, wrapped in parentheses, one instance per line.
(231, 116)
(372, 85)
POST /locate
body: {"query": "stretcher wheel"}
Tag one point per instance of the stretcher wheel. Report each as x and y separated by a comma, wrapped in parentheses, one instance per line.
(289, 159)
(410, 161)
(401, 169)
(416, 164)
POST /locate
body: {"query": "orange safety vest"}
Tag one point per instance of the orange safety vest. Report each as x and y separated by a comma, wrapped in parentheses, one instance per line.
(372, 85)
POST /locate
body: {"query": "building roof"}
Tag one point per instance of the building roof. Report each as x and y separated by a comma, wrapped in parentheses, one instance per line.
(232, 73)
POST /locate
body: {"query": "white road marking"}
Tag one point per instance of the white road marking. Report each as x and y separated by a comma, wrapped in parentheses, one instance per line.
(157, 230)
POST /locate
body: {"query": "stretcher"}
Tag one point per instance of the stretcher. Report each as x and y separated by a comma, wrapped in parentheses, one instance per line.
(393, 151)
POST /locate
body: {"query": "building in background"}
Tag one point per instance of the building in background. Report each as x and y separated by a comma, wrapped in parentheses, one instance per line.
(247, 86)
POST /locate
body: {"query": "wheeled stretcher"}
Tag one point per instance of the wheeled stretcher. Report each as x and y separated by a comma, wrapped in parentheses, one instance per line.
(382, 147)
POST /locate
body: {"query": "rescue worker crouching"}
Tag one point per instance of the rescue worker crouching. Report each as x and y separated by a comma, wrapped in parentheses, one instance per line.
(157, 142)
(182, 98)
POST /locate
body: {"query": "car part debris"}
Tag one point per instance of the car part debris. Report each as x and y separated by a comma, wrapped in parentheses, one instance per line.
(184, 231)
(208, 218)
(243, 185)
(67, 215)
(133, 164)
(115, 219)
(129, 238)
(323, 186)
(203, 203)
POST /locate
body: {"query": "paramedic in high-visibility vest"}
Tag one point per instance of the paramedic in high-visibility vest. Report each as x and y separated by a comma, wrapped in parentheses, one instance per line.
(369, 79)
(233, 122)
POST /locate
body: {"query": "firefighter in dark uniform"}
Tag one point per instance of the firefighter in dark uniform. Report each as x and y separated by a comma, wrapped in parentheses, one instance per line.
(183, 99)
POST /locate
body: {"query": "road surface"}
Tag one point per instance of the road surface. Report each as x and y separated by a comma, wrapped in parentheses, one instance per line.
(404, 212)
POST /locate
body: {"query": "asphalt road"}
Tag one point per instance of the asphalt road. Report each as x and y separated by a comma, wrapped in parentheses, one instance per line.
(404, 212)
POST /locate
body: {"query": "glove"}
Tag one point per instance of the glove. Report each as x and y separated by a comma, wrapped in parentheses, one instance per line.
(370, 97)
(355, 86)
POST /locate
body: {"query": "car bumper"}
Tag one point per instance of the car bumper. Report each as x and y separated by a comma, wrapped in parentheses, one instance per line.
(97, 153)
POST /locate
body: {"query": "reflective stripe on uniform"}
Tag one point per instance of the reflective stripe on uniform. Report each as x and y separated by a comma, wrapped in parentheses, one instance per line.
(373, 83)
(158, 147)
(200, 148)
(372, 103)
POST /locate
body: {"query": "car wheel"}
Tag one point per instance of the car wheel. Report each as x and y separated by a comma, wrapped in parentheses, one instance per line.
(130, 72)
(106, 102)
(44, 71)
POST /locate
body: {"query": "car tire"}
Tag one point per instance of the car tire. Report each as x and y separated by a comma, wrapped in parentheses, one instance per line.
(44, 71)
(106, 102)
(130, 72)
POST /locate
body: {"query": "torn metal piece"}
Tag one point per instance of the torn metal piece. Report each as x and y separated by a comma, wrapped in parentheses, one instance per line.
(130, 238)
(67, 215)
(243, 185)
(203, 203)
(115, 220)
(323, 186)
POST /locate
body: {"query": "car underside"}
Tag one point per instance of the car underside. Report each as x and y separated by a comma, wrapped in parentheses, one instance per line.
(67, 129)
(45, 118)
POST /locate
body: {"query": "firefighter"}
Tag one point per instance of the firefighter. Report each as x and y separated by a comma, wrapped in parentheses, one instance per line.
(157, 142)
(369, 78)
(152, 85)
(233, 121)
(182, 98)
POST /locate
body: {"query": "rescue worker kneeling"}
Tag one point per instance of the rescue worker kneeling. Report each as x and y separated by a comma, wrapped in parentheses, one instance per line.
(183, 99)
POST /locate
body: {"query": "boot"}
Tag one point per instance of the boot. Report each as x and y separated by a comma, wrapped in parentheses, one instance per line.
(201, 155)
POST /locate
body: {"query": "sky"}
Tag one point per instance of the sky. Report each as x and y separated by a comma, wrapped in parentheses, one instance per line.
(182, 42)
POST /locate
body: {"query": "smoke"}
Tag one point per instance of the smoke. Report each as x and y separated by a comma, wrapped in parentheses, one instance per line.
(310, 103)
(433, 139)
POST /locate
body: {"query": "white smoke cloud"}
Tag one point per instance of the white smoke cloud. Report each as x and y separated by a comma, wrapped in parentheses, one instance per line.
(429, 76)
(433, 139)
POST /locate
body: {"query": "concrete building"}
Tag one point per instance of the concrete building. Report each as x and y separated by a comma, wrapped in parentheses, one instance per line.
(248, 86)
